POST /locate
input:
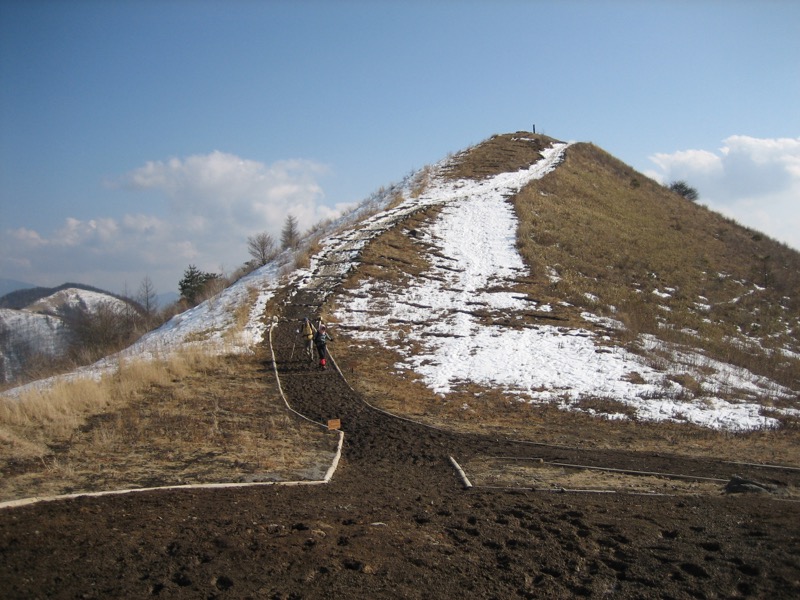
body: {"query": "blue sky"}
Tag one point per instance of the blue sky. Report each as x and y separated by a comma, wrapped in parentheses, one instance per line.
(139, 137)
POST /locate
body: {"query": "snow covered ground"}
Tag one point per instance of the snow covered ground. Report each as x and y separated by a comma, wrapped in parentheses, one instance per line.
(24, 333)
(211, 325)
(39, 329)
(476, 233)
(73, 299)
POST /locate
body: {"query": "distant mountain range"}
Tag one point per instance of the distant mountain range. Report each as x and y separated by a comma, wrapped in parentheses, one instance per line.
(12, 285)
(23, 297)
(35, 323)
(18, 294)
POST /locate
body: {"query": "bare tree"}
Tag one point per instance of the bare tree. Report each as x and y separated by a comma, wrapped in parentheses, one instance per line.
(100, 332)
(261, 247)
(290, 235)
(147, 299)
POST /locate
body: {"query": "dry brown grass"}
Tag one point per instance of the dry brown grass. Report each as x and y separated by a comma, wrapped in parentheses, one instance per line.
(615, 234)
(541, 476)
(624, 239)
(499, 154)
(241, 315)
(195, 418)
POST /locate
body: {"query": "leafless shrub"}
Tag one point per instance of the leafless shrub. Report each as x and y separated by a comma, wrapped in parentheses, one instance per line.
(261, 247)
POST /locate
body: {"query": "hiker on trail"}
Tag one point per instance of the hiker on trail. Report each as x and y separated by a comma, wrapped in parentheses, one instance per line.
(320, 340)
(307, 331)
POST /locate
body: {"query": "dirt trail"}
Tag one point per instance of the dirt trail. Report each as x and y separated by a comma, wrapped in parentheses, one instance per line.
(395, 522)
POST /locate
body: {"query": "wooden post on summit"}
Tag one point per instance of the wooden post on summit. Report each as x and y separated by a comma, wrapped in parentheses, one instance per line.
(334, 424)
(534, 128)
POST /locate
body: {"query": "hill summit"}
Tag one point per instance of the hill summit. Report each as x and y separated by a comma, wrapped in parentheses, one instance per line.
(587, 286)
(524, 271)
(538, 360)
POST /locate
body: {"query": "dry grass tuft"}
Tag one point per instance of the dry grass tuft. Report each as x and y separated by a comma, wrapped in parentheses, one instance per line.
(511, 473)
(51, 414)
(192, 418)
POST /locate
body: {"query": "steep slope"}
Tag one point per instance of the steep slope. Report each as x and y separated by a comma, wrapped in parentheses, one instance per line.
(657, 319)
(619, 244)
(396, 521)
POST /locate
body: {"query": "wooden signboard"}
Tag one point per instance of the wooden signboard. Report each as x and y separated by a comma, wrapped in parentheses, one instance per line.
(334, 424)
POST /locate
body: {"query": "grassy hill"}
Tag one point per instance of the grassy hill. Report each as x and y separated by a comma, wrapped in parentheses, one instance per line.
(600, 238)
(630, 249)
(595, 236)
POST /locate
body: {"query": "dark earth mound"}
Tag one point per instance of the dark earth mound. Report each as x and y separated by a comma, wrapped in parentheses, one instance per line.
(396, 522)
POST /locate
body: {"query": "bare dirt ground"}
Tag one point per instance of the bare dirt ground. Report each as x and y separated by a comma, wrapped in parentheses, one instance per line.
(397, 522)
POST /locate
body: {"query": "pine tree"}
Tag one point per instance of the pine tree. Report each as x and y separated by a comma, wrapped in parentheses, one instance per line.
(290, 236)
(193, 283)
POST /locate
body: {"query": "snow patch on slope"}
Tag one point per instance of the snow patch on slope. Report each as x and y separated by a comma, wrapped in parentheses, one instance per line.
(75, 299)
(213, 325)
(476, 234)
(24, 334)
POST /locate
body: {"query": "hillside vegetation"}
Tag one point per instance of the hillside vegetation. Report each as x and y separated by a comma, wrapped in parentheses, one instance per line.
(611, 241)
(596, 236)
(689, 290)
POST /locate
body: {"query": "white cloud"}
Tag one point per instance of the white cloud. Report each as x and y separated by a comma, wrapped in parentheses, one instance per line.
(755, 181)
(213, 203)
(699, 162)
(142, 224)
(82, 233)
(244, 194)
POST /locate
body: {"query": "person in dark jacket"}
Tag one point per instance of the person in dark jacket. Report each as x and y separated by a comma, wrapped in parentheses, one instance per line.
(321, 338)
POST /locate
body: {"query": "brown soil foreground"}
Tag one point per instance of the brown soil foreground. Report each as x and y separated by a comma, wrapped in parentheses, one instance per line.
(397, 522)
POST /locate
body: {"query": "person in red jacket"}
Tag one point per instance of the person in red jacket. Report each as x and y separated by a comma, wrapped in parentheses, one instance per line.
(320, 341)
